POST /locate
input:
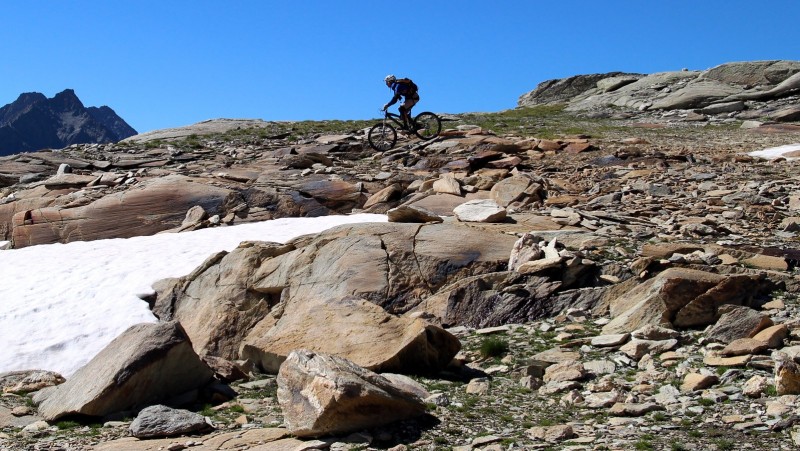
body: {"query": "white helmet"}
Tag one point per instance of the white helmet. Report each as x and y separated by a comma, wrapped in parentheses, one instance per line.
(390, 79)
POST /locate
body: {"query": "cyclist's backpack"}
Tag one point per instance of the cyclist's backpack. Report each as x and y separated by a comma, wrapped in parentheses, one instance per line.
(410, 84)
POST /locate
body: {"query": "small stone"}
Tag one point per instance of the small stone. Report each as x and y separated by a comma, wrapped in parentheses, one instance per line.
(667, 395)
(633, 409)
(556, 355)
(571, 398)
(602, 400)
(787, 377)
(599, 367)
(439, 399)
(777, 409)
(36, 426)
(716, 396)
(736, 418)
(493, 330)
(556, 433)
(777, 304)
(21, 411)
(653, 332)
(755, 386)
(557, 387)
(669, 355)
(530, 382)
(636, 348)
(697, 381)
(478, 386)
(562, 372)
(480, 210)
(773, 336)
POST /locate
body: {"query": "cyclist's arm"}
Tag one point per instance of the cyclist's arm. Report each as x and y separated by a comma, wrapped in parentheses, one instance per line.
(394, 100)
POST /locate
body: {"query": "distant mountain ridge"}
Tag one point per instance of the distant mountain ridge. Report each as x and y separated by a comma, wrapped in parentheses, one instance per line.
(34, 122)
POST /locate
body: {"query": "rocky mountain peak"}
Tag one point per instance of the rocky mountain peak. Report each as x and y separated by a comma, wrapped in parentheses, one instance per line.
(34, 122)
(67, 99)
(24, 102)
(29, 98)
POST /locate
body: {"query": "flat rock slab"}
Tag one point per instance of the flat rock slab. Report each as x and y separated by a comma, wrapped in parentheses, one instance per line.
(633, 409)
(697, 381)
(412, 213)
(743, 346)
(145, 210)
(10, 420)
(716, 360)
(443, 204)
(773, 336)
(603, 341)
(481, 210)
(636, 349)
(557, 356)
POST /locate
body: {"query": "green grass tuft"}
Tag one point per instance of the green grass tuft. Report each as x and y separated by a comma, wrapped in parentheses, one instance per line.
(493, 347)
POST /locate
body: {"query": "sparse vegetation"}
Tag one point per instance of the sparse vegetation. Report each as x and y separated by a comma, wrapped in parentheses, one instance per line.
(62, 425)
(493, 347)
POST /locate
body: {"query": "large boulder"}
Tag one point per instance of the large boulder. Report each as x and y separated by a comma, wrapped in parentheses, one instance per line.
(681, 298)
(156, 206)
(215, 303)
(357, 330)
(163, 421)
(322, 394)
(393, 265)
(146, 364)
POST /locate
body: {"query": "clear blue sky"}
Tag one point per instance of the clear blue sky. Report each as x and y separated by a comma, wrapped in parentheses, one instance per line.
(168, 63)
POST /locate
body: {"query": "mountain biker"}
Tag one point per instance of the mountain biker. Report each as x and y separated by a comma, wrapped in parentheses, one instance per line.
(402, 87)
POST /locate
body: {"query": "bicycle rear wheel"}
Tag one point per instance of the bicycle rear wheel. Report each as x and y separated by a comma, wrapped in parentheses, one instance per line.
(428, 125)
(382, 137)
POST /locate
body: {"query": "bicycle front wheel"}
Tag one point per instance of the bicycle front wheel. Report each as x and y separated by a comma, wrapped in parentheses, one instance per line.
(428, 125)
(382, 137)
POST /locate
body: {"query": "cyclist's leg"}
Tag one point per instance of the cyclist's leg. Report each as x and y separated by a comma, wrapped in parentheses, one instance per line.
(408, 104)
(404, 115)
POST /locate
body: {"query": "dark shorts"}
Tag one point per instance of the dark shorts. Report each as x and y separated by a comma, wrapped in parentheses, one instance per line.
(410, 102)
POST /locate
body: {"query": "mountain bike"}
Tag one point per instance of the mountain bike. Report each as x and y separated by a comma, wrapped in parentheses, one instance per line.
(383, 136)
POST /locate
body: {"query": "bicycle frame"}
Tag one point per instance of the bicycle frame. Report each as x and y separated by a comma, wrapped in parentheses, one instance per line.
(397, 119)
